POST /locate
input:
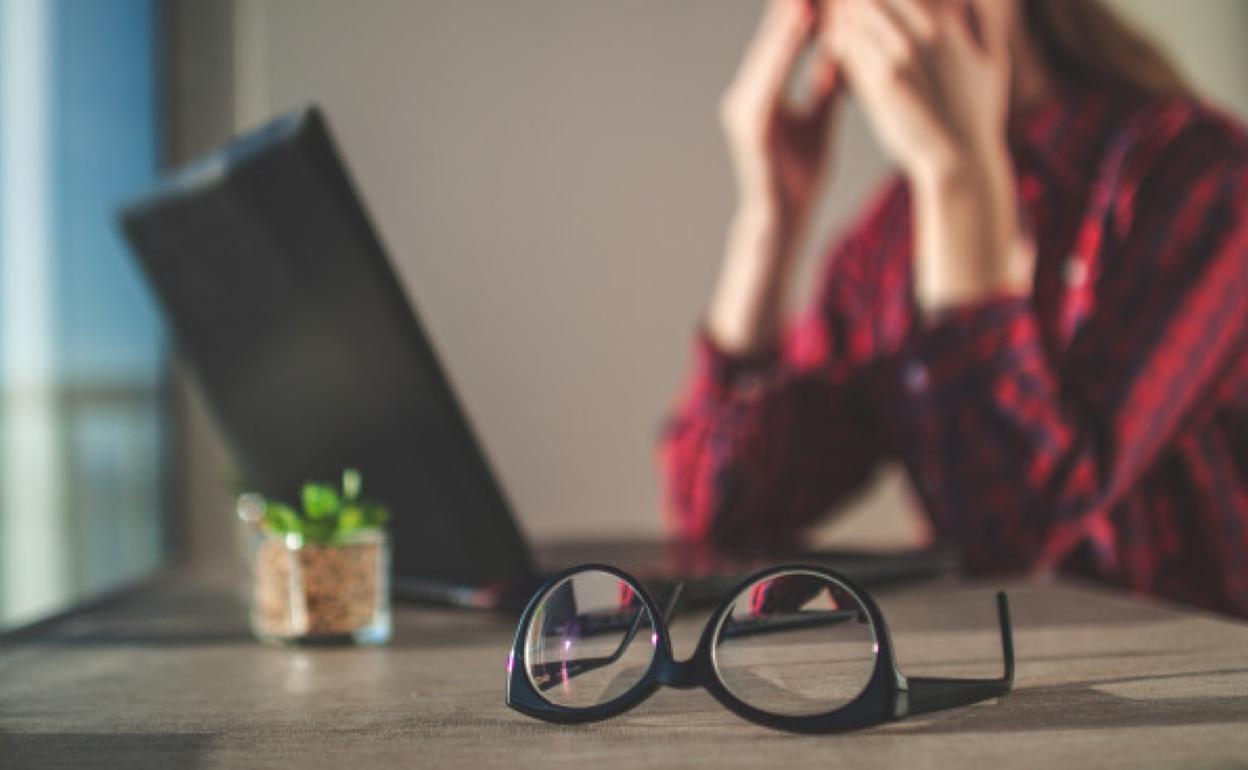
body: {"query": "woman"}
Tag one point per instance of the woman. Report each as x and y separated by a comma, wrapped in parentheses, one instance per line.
(1044, 316)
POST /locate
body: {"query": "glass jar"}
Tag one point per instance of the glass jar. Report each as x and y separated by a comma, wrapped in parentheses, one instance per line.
(311, 592)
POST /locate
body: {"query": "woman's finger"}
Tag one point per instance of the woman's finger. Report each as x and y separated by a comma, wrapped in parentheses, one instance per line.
(826, 85)
(916, 17)
(992, 29)
(963, 24)
(870, 19)
(826, 80)
(775, 50)
(864, 60)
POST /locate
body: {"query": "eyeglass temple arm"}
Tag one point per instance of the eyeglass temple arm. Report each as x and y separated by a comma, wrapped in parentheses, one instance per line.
(926, 694)
(569, 669)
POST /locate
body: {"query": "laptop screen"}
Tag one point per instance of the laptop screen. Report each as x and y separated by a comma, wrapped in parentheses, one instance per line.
(311, 357)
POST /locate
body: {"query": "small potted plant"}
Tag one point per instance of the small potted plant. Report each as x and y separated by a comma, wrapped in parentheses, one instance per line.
(320, 574)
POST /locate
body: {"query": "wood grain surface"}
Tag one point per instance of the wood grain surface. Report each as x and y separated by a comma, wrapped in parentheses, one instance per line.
(170, 678)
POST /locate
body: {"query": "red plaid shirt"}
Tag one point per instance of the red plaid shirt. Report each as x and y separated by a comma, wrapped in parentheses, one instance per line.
(1099, 427)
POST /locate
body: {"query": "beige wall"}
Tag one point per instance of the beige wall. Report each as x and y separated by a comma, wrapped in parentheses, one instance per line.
(549, 177)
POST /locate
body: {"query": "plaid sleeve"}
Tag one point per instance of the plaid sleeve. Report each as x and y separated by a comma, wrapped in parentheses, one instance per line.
(758, 448)
(755, 453)
(1024, 457)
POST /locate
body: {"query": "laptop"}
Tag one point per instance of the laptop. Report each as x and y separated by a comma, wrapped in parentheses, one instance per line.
(312, 359)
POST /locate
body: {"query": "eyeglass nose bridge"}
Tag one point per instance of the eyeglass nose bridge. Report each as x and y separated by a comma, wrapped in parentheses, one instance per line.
(681, 674)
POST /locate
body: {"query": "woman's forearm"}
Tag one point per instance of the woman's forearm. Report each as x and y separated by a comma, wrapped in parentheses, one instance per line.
(968, 245)
(746, 312)
(779, 150)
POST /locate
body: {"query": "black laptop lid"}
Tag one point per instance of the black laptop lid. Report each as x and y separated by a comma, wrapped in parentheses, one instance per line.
(309, 353)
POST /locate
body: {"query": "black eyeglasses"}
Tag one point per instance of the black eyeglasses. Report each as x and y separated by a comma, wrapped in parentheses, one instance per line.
(797, 648)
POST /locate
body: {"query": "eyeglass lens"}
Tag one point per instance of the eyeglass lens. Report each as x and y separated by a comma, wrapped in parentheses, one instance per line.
(795, 644)
(590, 640)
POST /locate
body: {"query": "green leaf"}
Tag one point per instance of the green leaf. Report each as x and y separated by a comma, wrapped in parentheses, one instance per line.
(320, 501)
(375, 515)
(351, 483)
(319, 530)
(282, 519)
(351, 520)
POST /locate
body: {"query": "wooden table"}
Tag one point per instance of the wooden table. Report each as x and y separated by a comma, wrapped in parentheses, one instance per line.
(170, 678)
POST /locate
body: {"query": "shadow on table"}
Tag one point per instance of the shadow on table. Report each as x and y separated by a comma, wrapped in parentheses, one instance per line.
(977, 665)
(1083, 706)
(213, 632)
(137, 637)
(134, 751)
(1032, 605)
(157, 616)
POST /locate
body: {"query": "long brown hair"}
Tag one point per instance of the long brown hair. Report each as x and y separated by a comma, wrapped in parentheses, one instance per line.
(1083, 40)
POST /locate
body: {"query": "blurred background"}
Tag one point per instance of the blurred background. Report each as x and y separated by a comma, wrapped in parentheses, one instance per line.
(548, 176)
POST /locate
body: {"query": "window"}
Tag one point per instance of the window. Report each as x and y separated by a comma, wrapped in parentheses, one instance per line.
(81, 350)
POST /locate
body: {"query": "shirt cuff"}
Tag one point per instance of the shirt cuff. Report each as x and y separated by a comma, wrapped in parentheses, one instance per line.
(975, 348)
(725, 371)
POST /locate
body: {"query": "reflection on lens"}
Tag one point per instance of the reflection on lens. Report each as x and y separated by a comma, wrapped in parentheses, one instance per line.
(795, 644)
(590, 640)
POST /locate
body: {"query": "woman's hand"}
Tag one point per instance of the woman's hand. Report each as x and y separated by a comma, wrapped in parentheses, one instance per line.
(779, 149)
(934, 76)
(780, 153)
(936, 90)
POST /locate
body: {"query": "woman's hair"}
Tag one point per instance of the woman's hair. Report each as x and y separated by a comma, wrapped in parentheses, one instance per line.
(1083, 40)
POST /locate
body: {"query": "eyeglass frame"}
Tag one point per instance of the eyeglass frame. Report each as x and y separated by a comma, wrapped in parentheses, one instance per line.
(888, 695)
